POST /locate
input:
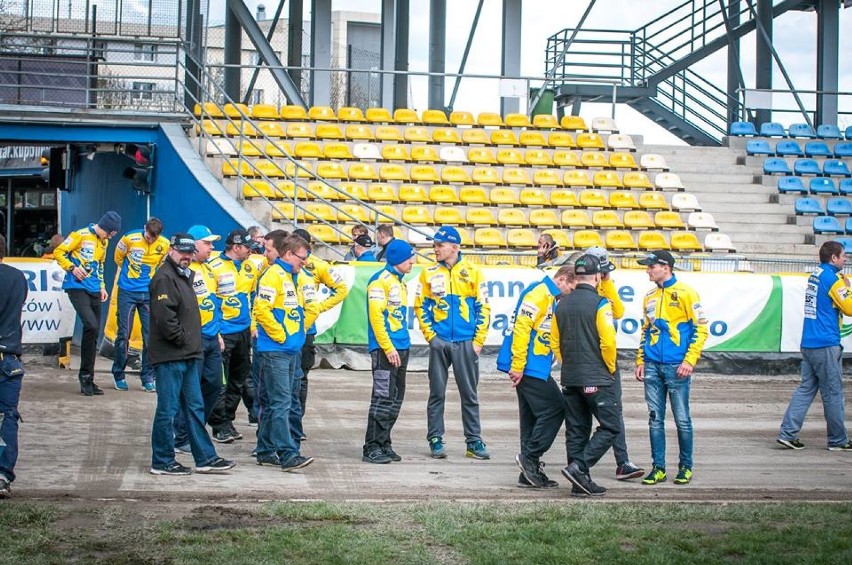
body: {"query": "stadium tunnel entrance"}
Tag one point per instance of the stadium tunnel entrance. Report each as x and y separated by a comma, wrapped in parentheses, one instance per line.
(28, 207)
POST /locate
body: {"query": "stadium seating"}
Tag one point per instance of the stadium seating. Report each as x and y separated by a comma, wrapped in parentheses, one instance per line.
(809, 205)
(576, 219)
(653, 201)
(379, 192)
(718, 242)
(413, 193)
(560, 139)
(623, 200)
(512, 217)
(772, 129)
(684, 202)
(534, 197)
(459, 118)
(701, 221)
(443, 194)
(544, 218)
(827, 225)
(329, 131)
(638, 180)
(843, 150)
(416, 134)
(565, 159)
(828, 131)
(638, 220)
(623, 161)
(576, 123)
(758, 147)
(685, 241)
(560, 237)
(846, 187)
(324, 233)
(583, 239)
(591, 198)
(480, 217)
(505, 196)
(490, 119)
(788, 148)
(488, 237)
(382, 132)
(817, 149)
(435, 117)
(742, 129)
(848, 133)
(620, 142)
(846, 242)
(650, 240)
(591, 141)
(668, 220)
(604, 125)
(566, 198)
(822, 185)
(521, 237)
(668, 181)
(607, 179)
(776, 166)
(417, 215)
(350, 114)
(338, 151)
(606, 219)
(447, 215)
(473, 195)
(653, 162)
(264, 112)
(838, 207)
(620, 240)
(532, 139)
(446, 135)
(545, 121)
(791, 184)
(836, 168)
(801, 130)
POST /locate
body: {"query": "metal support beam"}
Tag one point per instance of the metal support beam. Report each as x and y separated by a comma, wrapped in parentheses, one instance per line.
(511, 55)
(387, 50)
(735, 73)
(266, 52)
(400, 81)
(321, 52)
(437, 51)
(233, 56)
(294, 43)
(192, 57)
(269, 35)
(828, 37)
(473, 27)
(763, 55)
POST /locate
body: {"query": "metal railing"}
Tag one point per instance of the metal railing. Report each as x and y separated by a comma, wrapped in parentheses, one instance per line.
(784, 103)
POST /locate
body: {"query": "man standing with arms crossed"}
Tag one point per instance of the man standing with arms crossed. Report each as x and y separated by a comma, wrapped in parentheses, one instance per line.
(674, 330)
(453, 310)
(827, 299)
(138, 254)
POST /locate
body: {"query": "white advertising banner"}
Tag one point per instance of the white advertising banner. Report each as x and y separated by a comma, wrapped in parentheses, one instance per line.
(47, 314)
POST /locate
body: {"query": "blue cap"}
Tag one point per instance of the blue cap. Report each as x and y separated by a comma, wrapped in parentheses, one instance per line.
(110, 222)
(447, 234)
(202, 233)
(398, 251)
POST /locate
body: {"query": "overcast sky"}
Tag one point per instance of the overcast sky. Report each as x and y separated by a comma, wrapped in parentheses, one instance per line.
(543, 18)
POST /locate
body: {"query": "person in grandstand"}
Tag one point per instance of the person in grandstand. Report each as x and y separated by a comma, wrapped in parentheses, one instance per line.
(82, 256)
(389, 344)
(674, 330)
(357, 230)
(453, 311)
(14, 295)
(827, 299)
(176, 348)
(321, 272)
(363, 249)
(384, 235)
(284, 308)
(137, 255)
(547, 251)
(527, 356)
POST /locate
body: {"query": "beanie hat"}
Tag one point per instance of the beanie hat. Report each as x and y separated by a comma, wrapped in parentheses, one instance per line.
(110, 222)
(304, 234)
(398, 251)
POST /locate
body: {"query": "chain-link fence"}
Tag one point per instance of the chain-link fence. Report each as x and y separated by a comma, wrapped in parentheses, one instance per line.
(360, 89)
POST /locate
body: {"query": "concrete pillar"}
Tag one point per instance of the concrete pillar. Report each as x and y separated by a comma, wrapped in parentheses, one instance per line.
(320, 52)
(437, 51)
(511, 54)
(828, 36)
(763, 55)
(387, 50)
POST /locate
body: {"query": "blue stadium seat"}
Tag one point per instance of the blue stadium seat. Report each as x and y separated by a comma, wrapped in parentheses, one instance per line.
(788, 147)
(836, 168)
(846, 187)
(758, 147)
(809, 205)
(829, 131)
(822, 185)
(801, 130)
(843, 149)
(827, 224)
(791, 184)
(839, 207)
(775, 166)
(849, 133)
(817, 149)
(772, 129)
(743, 128)
(846, 242)
(806, 167)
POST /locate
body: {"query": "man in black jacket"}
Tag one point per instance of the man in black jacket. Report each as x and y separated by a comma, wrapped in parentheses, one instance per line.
(174, 351)
(585, 336)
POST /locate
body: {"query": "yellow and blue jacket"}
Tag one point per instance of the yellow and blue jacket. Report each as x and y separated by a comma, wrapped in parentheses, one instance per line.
(83, 248)
(607, 289)
(452, 303)
(233, 289)
(323, 272)
(674, 328)
(285, 306)
(138, 260)
(827, 299)
(387, 311)
(209, 304)
(526, 341)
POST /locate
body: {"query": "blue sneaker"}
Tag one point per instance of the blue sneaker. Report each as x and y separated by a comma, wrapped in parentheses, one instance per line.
(148, 387)
(476, 449)
(121, 385)
(436, 446)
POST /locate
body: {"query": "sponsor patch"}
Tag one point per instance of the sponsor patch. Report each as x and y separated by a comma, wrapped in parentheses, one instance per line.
(162, 297)
(265, 293)
(528, 310)
(589, 390)
(376, 293)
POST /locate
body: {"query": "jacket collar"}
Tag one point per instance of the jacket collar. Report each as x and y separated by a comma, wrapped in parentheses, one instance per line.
(669, 282)
(392, 270)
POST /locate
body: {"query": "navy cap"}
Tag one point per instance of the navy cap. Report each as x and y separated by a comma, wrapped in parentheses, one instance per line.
(659, 257)
(587, 265)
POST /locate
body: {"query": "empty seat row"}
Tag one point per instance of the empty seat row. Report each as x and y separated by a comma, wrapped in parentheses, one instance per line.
(815, 185)
(834, 206)
(774, 129)
(831, 225)
(791, 148)
(830, 167)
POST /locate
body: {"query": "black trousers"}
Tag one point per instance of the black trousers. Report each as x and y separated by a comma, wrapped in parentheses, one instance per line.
(619, 445)
(236, 359)
(581, 404)
(541, 411)
(386, 399)
(88, 307)
(309, 356)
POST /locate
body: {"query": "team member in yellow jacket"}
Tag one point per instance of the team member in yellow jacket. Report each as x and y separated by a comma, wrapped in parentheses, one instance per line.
(673, 334)
(389, 344)
(138, 254)
(453, 310)
(285, 306)
(81, 256)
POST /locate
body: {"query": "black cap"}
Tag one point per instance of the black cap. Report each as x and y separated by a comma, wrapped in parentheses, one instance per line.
(659, 257)
(238, 237)
(183, 242)
(587, 265)
(364, 241)
(304, 234)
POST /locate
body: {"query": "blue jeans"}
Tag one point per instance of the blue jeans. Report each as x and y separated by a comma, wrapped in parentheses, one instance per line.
(11, 375)
(178, 384)
(128, 303)
(277, 385)
(661, 380)
(210, 367)
(822, 370)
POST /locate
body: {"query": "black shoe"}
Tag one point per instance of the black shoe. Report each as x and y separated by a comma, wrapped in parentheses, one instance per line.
(376, 455)
(223, 436)
(268, 459)
(297, 462)
(394, 456)
(791, 443)
(577, 491)
(628, 471)
(96, 390)
(234, 433)
(582, 480)
(5, 488)
(524, 483)
(173, 469)
(216, 466)
(529, 469)
(86, 386)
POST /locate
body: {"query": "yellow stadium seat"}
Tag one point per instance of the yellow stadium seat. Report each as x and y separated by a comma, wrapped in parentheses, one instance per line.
(446, 135)
(413, 193)
(304, 170)
(485, 175)
(264, 112)
(359, 131)
(353, 212)
(559, 139)
(300, 130)
(355, 190)
(444, 194)
(583, 239)
(462, 119)
(637, 179)
(480, 217)
(668, 220)
(338, 151)
(448, 215)
(231, 166)
(593, 199)
(318, 211)
(417, 215)
(475, 136)
(395, 153)
(637, 220)
(293, 113)
(516, 176)
(623, 161)
(320, 190)
(393, 172)
(240, 127)
(573, 123)
(534, 197)
(564, 199)
(387, 214)
(364, 151)
(416, 134)
(505, 196)
(271, 129)
(324, 233)
(474, 195)
(269, 168)
(545, 121)
(685, 241)
(532, 139)
(560, 237)
(288, 189)
(650, 240)
(363, 171)
(619, 239)
(350, 114)
(566, 159)
(604, 124)
(256, 188)
(405, 116)
(379, 115)
(537, 158)
(544, 218)
(277, 149)
(520, 237)
(251, 149)
(331, 170)
(287, 212)
(490, 119)
(237, 111)
(435, 117)
(590, 141)
(576, 219)
(455, 174)
(623, 200)
(518, 121)
(481, 155)
(322, 114)
(512, 217)
(509, 157)
(488, 237)
(211, 109)
(424, 173)
(329, 131)
(307, 150)
(607, 179)
(424, 154)
(606, 219)
(653, 201)
(388, 133)
(593, 160)
(503, 137)
(452, 154)
(379, 192)
(577, 178)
